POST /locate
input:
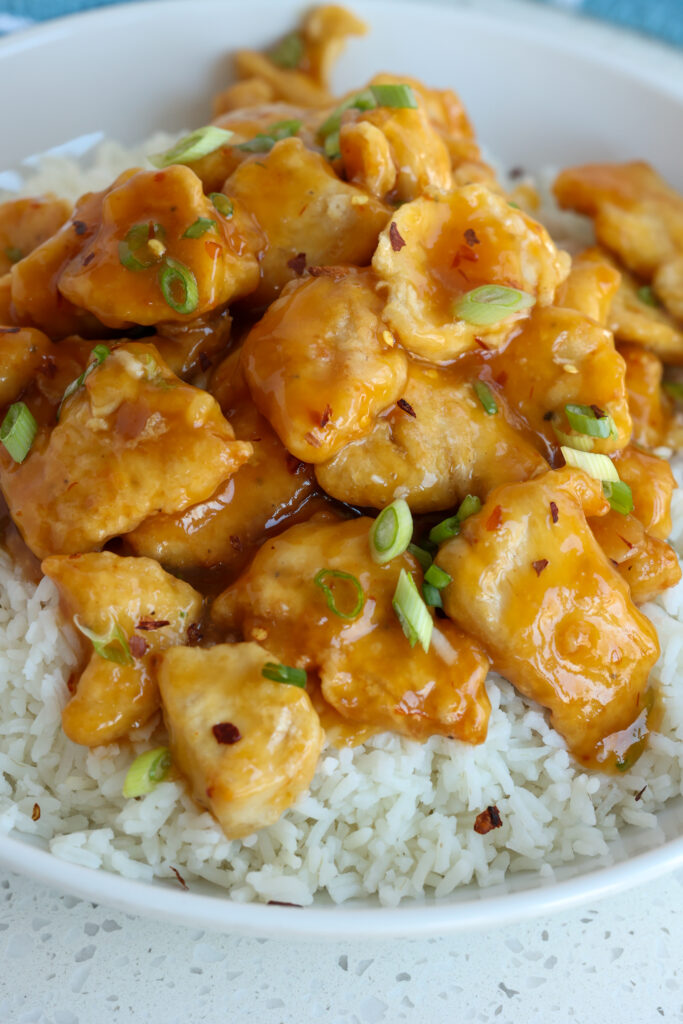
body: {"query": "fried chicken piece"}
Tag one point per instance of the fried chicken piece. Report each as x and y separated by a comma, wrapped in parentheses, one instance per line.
(652, 484)
(652, 411)
(21, 353)
(27, 223)
(648, 565)
(591, 287)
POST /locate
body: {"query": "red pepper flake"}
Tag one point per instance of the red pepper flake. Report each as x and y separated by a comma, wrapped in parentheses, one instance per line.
(471, 237)
(10, 330)
(311, 439)
(553, 511)
(213, 249)
(159, 176)
(397, 242)
(35, 814)
(294, 464)
(80, 227)
(297, 263)
(179, 877)
(226, 732)
(495, 519)
(48, 367)
(540, 565)
(407, 407)
(640, 792)
(194, 634)
(323, 271)
(235, 542)
(481, 344)
(152, 623)
(626, 542)
(488, 820)
(72, 683)
(464, 253)
(326, 416)
(138, 645)
(599, 413)
(501, 379)
(88, 259)
(204, 361)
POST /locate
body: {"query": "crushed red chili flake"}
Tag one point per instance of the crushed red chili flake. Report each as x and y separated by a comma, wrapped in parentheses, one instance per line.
(48, 367)
(501, 378)
(10, 330)
(323, 271)
(204, 361)
(138, 645)
(294, 464)
(553, 511)
(152, 623)
(471, 237)
(626, 542)
(235, 542)
(481, 344)
(640, 792)
(179, 877)
(297, 263)
(311, 439)
(539, 565)
(226, 732)
(88, 259)
(72, 683)
(407, 407)
(495, 519)
(599, 413)
(397, 242)
(80, 227)
(488, 820)
(326, 416)
(464, 253)
(194, 634)
(35, 814)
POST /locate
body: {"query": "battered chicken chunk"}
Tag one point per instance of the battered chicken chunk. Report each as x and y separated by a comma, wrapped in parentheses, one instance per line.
(368, 671)
(591, 287)
(247, 746)
(26, 223)
(151, 609)
(439, 247)
(21, 353)
(309, 217)
(321, 364)
(652, 411)
(530, 581)
(433, 450)
(652, 484)
(133, 440)
(648, 565)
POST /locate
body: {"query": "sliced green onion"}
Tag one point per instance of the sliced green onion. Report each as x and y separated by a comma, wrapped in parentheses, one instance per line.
(580, 442)
(396, 96)
(175, 275)
(360, 101)
(193, 146)
(432, 595)
(222, 203)
(332, 146)
(619, 496)
(491, 303)
(391, 532)
(674, 388)
(469, 505)
(423, 557)
(647, 295)
(437, 577)
(284, 674)
(100, 352)
(515, 206)
(264, 141)
(319, 581)
(134, 251)
(199, 228)
(18, 431)
(444, 530)
(485, 396)
(146, 772)
(288, 52)
(597, 466)
(411, 611)
(585, 420)
(111, 645)
(13, 254)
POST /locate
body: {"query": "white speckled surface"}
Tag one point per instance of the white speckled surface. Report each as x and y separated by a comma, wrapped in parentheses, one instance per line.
(65, 961)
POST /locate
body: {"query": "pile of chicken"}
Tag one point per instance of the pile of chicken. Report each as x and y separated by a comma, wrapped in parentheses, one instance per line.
(235, 361)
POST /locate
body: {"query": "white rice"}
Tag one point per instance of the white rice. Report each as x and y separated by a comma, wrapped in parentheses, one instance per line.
(392, 817)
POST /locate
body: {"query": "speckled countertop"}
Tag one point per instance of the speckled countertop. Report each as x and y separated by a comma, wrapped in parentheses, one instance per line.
(65, 961)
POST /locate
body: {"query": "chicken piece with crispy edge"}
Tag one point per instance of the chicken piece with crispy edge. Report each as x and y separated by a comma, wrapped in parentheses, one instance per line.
(133, 440)
(22, 351)
(153, 611)
(27, 223)
(442, 246)
(432, 449)
(247, 746)
(321, 364)
(529, 580)
(591, 286)
(367, 668)
(653, 412)
(648, 565)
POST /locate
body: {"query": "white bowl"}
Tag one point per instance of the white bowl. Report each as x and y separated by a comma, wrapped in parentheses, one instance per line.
(542, 88)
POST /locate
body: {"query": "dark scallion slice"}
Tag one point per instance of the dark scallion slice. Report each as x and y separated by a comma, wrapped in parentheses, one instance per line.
(146, 772)
(432, 595)
(100, 352)
(284, 674)
(111, 644)
(13, 254)
(135, 251)
(485, 396)
(332, 146)
(18, 431)
(437, 577)
(400, 97)
(619, 496)
(193, 146)
(264, 141)
(585, 420)
(411, 611)
(288, 52)
(391, 532)
(334, 574)
(491, 303)
(222, 203)
(423, 557)
(199, 228)
(444, 530)
(647, 296)
(174, 278)
(469, 505)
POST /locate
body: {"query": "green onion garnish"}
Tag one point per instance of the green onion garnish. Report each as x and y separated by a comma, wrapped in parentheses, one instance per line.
(391, 532)
(174, 275)
(222, 203)
(396, 96)
(146, 772)
(485, 396)
(432, 595)
(193, 146)
(444, 530)
(674, 388)
(585, 420)
(469, 505)
(597, 466)
(111, 645)
(319, 581)
(360, 101)
(18, 431)
(619, 496)
(423, 557)
(647, 295)
(200, 227)
(411, 611)
(284, 674)
(437, 577)
(581, 442)
(100, 352)
(288, 52)
(332, 146)
(13, 254)
(264, 142)
(135, 253)
(491, 303)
